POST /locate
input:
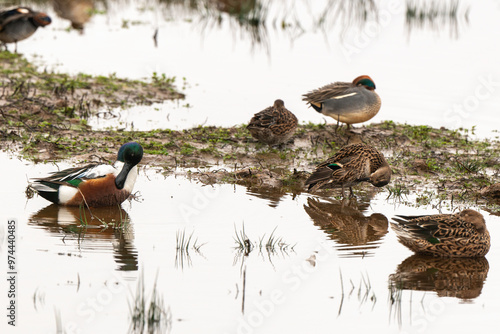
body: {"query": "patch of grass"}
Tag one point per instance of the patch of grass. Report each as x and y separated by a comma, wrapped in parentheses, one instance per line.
(468, 166)
(184, 243)
(272, 244)
(243, 243)
(187, 149)
(397, 191)
(162, 81)
(148, 316)
(418, 133)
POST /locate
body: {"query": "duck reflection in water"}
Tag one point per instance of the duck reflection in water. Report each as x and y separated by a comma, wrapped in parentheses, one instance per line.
(78, 12)
(235, 7)
(274, 196)
(355, 233)
(91, 228)
(449, 277)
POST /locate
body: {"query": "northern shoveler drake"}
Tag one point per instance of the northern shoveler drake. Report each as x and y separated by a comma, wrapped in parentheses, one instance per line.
(351, 165)
(93, 185)
(18, 23)
(346, 102)
(462, 234)
(274, 125)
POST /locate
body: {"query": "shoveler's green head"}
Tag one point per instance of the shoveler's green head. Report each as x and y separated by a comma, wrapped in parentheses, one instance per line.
(364, 80)
(130, 153)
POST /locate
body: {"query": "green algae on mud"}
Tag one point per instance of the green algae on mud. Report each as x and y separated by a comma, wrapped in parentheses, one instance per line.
(43, 117)
(38, 107)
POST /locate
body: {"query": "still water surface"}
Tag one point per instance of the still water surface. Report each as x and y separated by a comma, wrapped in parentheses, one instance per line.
(325, 276)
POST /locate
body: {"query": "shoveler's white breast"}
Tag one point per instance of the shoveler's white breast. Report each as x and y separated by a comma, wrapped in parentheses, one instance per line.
(131, 177)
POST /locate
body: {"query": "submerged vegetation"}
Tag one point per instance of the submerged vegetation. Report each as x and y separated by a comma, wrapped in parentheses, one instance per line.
(148, 313)
(271, 244)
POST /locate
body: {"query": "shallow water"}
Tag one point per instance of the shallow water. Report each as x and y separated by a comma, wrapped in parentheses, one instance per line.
(440, 72)
(324, 275)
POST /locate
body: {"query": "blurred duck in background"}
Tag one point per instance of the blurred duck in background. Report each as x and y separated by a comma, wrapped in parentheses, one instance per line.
(78, 12)
(19, 23)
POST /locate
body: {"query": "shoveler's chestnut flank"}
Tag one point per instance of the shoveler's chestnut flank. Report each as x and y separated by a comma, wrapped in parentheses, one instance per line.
(274, 125)
(351, 165)
(18, 23)
(346, 102)
(94, 185)
(463, 234)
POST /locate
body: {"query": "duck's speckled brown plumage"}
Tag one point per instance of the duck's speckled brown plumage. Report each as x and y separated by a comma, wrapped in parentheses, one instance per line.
(463, 234)
(273, 125)
(350, 165)
(346, 102)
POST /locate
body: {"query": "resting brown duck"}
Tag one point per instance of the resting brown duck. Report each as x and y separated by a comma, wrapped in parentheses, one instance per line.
(351, 165)
(462, 234)
(274, 125)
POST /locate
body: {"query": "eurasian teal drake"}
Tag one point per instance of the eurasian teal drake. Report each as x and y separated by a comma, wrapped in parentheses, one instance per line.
(351, 165)
(346, 102)
(18, 23)
(93, 185)
(273, 125)
(462, 234)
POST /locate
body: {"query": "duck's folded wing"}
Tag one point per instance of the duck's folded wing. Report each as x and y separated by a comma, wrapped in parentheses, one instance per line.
(422, 227)
(323, 172)
(72, 177)
(346, 103)
(13, 14)
(336, 90)
(263, 119)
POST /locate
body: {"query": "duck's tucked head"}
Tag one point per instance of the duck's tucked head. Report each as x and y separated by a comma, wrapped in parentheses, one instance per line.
(381, 176)
(130, 153)
(365, 81)
(42, 19)
(279, 103)
(474, 217)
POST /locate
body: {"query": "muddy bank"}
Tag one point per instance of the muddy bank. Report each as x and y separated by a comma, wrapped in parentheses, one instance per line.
(43, 118)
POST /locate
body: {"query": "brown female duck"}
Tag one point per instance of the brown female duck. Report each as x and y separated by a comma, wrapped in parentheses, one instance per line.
(351, 165)
(274, 125)
(462, 234)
